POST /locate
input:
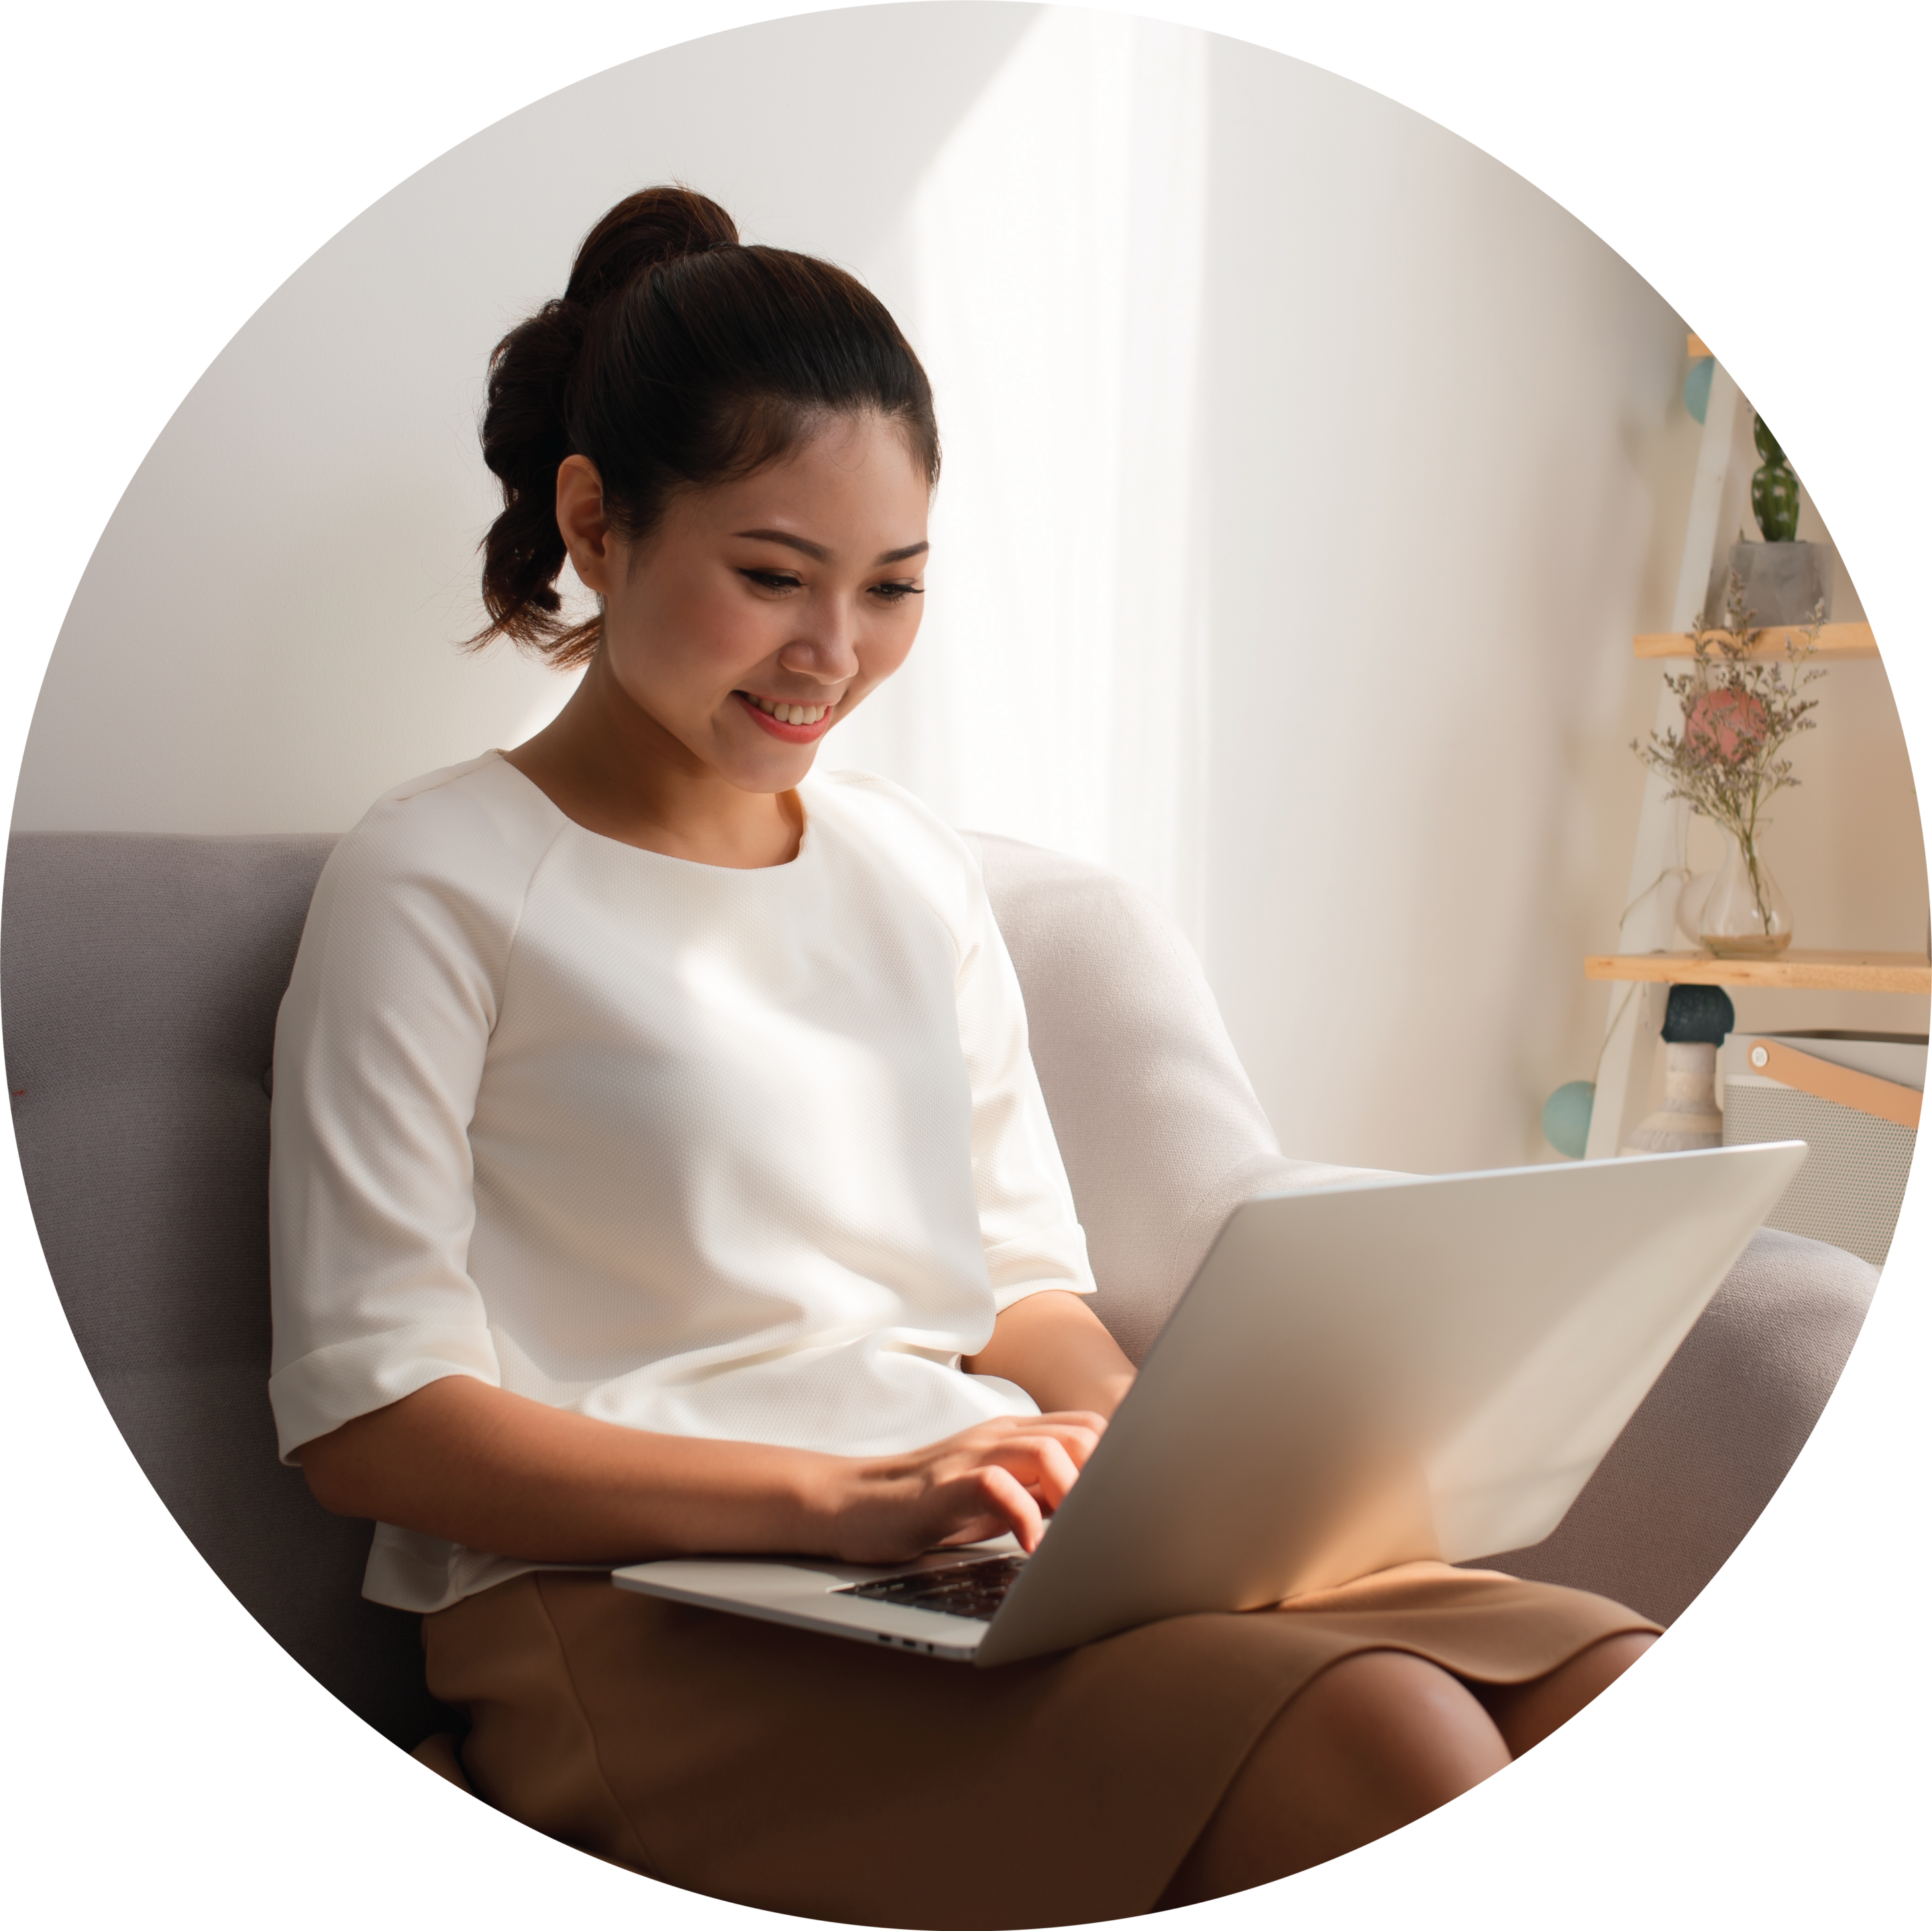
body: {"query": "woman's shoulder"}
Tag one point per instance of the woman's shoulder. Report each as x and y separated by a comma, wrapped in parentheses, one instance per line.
(895, 833)
(885, 816)
(483, 813)
(865, 795)
(472, 834)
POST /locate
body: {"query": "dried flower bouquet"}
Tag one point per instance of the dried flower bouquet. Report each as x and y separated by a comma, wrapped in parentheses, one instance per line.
(1726, 762)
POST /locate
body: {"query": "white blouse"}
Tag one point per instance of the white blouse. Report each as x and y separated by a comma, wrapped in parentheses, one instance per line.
(750, 1155)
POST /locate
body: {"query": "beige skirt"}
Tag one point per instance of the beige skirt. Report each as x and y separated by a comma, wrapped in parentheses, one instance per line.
(805, 1774)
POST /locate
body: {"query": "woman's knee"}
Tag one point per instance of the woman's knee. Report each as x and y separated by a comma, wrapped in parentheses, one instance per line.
(1526, 1713)
(1375, 1741)
(1402, 1732)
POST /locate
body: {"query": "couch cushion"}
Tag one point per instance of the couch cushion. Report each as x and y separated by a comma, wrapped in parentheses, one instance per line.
(1161, 1131)
(139, 981)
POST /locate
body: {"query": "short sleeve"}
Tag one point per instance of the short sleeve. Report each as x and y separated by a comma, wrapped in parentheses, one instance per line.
(1033, 1235)
(380, 1047)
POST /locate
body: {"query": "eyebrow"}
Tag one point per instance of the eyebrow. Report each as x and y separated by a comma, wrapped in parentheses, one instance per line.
(820, 554)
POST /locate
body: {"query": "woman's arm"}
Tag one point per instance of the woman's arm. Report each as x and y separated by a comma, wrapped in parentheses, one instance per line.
(1051, 1344)
(474, 1464)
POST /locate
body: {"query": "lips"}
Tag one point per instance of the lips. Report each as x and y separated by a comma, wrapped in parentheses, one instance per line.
(762, 712)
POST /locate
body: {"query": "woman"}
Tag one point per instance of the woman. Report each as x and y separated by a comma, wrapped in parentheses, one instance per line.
(659, 1168)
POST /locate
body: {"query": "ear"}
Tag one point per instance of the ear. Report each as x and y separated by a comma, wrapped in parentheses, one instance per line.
(581, 517)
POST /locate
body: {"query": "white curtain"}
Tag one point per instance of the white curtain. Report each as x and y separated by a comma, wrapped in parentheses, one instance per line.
(1057, 694)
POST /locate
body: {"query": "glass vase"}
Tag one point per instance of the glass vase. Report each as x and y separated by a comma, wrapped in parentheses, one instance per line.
(1744, 916)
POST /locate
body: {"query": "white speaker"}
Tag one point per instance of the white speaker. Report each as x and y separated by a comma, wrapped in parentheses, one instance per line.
(1853, 1099)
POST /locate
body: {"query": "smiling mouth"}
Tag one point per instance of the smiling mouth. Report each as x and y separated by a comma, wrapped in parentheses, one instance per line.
(786, 714)
(791, 723)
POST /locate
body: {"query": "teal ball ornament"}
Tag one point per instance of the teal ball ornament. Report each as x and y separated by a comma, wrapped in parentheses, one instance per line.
(1566, 1117)
(1697, 387)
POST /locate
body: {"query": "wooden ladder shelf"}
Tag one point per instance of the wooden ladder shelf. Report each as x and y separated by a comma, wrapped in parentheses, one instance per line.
(1649, 935)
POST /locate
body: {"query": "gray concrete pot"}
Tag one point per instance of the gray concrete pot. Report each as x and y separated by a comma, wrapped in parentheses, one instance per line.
(1784, 583)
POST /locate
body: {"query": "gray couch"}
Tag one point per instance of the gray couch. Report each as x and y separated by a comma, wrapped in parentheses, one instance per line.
(139, 981)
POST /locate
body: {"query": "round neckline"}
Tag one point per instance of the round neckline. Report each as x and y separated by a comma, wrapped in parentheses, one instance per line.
(805, 841)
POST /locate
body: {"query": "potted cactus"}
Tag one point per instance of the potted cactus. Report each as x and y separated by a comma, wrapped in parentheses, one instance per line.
(1784, 582)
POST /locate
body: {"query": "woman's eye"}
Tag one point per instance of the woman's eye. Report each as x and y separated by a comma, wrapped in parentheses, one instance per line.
(896, 593)
(772, 580)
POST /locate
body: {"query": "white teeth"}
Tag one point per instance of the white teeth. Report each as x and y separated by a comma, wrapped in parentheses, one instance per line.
(792, 714)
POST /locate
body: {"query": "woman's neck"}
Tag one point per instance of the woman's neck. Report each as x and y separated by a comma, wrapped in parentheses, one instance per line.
(608, 766)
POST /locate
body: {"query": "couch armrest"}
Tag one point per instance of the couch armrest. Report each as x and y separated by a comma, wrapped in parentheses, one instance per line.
(1695, 1464)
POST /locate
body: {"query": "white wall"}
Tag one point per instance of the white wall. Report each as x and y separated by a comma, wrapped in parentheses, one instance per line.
(1450, 470)
(263, 639)
(1372, 459)
(1057, 244)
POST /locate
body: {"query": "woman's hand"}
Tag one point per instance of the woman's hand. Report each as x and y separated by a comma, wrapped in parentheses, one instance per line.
(1002, 1477)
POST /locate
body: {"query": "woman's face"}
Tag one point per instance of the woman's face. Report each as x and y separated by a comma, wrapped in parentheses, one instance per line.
(760, 613)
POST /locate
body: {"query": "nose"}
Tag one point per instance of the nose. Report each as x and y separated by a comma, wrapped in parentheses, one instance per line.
(826, 646)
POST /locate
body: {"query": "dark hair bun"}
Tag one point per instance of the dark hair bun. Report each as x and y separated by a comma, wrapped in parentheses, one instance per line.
(675, 358)
(653, 225)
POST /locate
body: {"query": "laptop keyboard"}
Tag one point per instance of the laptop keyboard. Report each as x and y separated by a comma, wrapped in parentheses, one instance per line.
(975, 1589)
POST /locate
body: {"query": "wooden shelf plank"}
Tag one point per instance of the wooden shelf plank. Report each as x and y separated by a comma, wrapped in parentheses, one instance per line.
(1797, 970)
(1834, 640)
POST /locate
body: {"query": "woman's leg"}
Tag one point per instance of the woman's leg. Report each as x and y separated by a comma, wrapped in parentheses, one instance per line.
(1375, 1741)
(1526, 1713)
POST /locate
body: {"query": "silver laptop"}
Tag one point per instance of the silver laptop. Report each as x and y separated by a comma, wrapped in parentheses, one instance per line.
(1360, 1375)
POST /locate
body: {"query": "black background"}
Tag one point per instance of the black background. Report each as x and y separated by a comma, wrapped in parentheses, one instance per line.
(163, 186)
